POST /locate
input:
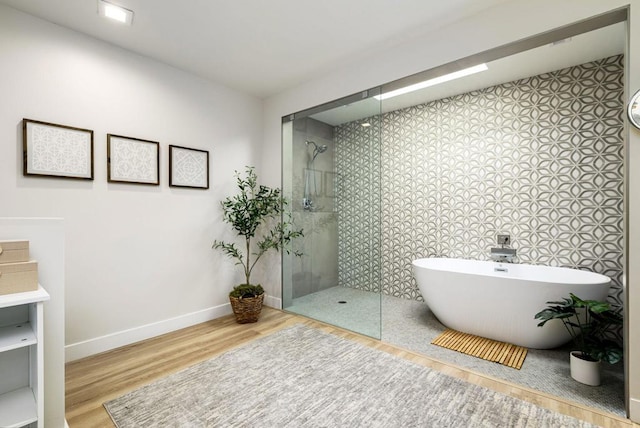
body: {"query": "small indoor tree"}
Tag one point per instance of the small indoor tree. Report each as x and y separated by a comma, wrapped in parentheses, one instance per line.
(256, 213)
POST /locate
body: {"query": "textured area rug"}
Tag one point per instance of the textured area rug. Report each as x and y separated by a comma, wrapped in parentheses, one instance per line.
(491, 350)
(303, 377)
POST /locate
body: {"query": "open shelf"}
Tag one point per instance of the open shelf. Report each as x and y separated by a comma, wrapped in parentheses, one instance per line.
(18, 408)
(16, 336)
(21, 334)
(14, 299)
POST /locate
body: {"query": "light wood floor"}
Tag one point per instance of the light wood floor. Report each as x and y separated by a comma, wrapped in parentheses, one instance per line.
(94, 380)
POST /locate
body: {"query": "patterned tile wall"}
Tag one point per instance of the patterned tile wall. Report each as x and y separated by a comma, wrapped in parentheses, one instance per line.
(358, 189)
(540, 158)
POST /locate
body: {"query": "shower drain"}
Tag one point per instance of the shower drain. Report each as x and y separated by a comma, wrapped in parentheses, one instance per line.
(342, 302)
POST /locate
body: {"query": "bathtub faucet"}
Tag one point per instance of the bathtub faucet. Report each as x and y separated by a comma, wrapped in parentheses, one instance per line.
(503, 255)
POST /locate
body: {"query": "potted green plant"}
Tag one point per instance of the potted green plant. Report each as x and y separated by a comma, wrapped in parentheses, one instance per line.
(586, 321)
(256, 213)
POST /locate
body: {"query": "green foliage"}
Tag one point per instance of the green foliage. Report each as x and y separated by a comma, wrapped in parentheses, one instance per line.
(258, 212)
(246, 290)
(586, 321)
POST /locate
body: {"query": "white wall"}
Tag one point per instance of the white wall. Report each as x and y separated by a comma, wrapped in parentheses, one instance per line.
(509, 22)
(138, 258)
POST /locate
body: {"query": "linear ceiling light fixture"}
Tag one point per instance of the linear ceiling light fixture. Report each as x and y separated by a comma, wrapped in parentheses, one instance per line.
(435, 81)
(117, 13)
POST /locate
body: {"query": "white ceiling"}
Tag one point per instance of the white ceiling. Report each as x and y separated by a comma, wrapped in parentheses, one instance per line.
(257, 46)
(586, 47)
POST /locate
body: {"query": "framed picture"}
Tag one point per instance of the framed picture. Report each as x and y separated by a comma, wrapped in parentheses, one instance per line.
(188, 167)
(56, 150)
(132, 160)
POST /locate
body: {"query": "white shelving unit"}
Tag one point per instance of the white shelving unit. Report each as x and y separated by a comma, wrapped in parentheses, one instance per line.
(21, 359)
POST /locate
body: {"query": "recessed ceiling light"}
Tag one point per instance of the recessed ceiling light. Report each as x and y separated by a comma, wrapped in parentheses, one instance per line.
(435, 81)
(365, 124)
(115, 12)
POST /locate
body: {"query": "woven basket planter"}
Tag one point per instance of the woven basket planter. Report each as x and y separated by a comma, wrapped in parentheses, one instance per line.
(246, 309)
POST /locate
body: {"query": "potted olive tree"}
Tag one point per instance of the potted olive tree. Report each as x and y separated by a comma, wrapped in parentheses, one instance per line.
(256, 215)
(586, 321)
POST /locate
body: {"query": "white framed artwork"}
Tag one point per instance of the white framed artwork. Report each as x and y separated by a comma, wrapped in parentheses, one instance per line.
(54, 150)
(188, 167)
(132, 160)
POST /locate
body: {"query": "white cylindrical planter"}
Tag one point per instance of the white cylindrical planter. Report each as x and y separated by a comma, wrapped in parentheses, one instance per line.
(584, 371)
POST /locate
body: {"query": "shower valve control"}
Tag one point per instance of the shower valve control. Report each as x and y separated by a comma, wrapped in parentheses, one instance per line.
(504, 240)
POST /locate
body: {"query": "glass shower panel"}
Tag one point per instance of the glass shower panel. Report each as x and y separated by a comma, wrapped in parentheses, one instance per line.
(331, 173)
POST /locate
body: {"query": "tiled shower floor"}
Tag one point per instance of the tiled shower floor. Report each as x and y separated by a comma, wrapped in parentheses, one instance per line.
(411, 325)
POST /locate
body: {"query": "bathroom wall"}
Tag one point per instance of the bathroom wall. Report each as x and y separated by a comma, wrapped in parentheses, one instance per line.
(539, 158)
(138, 259)
(317, 268)
(512, 21)
(358, 167)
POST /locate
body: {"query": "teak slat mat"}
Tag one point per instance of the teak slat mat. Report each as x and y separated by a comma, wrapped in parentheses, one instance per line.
(487, 349)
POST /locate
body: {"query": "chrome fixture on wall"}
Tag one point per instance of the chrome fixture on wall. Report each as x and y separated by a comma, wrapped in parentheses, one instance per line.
(504, 240)
(503, 254)
(310, 180)
(316, 149)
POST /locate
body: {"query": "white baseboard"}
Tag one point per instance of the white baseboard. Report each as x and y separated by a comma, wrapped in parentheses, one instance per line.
(89, 347)
(634, 410)
(273, 302)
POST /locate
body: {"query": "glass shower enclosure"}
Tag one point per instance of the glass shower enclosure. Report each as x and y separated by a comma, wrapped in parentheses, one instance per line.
(331, 176)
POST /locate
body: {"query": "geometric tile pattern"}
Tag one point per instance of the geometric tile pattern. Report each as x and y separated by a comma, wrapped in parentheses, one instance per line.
(539, 158)
(358, 187)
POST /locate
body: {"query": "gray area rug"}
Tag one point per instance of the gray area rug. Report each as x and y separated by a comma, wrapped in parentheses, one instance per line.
(411, 325)
(303, 377)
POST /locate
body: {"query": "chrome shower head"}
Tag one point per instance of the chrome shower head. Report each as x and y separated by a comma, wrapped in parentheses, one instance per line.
(317, 148)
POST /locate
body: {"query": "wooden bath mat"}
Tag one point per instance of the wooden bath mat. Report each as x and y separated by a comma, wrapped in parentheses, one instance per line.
(487, 349)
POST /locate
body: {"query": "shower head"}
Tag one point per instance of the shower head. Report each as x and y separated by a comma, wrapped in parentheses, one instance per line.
(317, 149)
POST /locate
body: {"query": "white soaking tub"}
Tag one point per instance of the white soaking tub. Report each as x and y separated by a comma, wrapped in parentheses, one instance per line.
(499, 300)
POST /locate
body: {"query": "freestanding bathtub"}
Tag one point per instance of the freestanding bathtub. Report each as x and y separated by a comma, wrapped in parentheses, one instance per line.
(499, 300)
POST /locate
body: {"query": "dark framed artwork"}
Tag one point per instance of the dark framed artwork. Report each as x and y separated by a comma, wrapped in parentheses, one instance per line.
(54, 150)
(132, 160)
(188, 167)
